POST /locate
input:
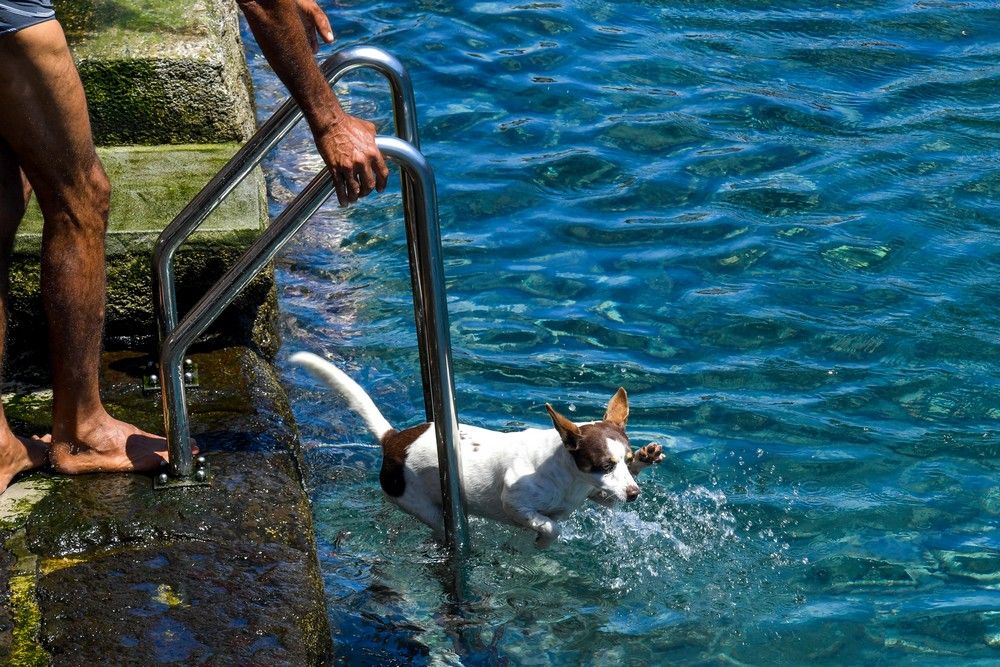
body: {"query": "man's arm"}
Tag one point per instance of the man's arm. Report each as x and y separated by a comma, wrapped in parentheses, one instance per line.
(346, 143)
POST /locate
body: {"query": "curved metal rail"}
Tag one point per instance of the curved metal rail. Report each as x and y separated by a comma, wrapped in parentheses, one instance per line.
(426, 270)
(252, 153)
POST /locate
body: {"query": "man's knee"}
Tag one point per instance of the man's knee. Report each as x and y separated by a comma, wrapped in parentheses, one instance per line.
(84, 203)
(100, 191)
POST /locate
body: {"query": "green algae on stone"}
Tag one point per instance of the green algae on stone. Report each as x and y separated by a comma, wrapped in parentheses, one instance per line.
(150, 185)
(157, 71)
(20, 497)
(84, 20)
(29, 410)
(25, 646)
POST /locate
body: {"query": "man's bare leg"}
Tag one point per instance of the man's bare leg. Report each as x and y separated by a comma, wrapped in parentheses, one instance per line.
(16, 454)
(43, 118)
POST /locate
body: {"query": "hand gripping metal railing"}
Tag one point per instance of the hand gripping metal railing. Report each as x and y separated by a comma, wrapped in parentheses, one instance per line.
(426, 271)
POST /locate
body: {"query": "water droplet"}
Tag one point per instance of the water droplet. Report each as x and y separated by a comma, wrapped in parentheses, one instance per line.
(572, 407)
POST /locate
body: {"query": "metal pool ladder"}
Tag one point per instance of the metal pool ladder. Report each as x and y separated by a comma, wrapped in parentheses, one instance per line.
(426, 273)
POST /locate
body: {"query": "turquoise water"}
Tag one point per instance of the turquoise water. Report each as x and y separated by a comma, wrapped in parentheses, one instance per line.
(775, 224)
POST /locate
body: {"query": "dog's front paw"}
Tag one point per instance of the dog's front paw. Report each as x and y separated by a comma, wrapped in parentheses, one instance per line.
(644, 457)
(547, 534)
(650, 454)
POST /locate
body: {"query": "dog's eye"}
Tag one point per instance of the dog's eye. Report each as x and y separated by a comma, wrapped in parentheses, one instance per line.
(609, 467)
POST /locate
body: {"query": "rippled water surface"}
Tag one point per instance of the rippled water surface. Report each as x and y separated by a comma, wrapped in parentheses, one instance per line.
(775, 224)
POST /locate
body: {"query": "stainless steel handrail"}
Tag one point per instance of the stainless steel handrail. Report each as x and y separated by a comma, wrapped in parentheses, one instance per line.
(426, 269)
(250, 155)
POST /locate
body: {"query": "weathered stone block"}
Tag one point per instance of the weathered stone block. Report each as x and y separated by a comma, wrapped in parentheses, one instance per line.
(161, 71)
(210, 602)
(150, 185)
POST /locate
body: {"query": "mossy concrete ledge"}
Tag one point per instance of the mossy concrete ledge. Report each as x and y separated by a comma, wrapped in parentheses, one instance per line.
(161, 71)
(150, 186)
(102, 569)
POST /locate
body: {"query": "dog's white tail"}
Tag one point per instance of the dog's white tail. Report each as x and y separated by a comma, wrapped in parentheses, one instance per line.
(357, 398)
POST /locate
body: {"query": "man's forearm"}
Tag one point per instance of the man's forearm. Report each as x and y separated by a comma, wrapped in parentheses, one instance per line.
(347, 144)
(278, 28)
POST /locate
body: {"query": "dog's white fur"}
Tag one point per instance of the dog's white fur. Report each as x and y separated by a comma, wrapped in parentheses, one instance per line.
(527, 478)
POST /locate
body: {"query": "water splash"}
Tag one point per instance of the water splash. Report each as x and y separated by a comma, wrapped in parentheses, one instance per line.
(689, 546)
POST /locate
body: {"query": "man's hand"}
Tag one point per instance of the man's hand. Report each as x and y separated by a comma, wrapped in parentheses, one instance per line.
(346, 143)
(348, 148)
(314, 20)
(356, 164)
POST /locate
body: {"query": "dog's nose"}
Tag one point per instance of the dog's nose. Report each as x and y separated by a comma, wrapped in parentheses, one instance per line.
(631, 493)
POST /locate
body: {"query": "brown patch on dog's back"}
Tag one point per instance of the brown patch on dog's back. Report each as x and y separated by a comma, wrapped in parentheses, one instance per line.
(395, 444)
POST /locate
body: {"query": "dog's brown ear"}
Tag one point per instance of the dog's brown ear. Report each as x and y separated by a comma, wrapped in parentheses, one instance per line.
(568, 431)
(617, 412)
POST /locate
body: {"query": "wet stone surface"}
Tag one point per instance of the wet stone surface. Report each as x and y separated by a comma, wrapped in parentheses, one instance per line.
(104, 567)
(253, 498)
(239, 601)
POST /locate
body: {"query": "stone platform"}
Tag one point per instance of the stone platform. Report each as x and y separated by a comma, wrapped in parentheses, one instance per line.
(102, 569)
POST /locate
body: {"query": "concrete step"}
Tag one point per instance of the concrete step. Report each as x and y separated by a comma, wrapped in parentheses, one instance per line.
(150, 185)
(161, 71)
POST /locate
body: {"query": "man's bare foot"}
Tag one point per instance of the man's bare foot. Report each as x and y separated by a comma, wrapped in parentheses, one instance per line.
(18, 454)
(110, 446)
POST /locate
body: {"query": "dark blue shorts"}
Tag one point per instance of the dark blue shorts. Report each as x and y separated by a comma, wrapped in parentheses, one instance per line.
(18, 14)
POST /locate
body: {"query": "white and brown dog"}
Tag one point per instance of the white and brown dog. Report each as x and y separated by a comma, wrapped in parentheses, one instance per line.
(531, 478)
